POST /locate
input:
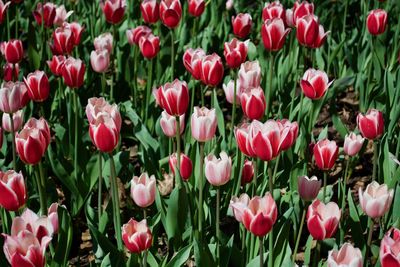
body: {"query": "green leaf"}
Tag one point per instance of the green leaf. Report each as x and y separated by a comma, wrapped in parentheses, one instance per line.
(181, 257)
(64, 238)
(176, 214)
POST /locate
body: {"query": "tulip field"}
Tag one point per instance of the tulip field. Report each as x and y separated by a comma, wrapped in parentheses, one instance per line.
(200, 133)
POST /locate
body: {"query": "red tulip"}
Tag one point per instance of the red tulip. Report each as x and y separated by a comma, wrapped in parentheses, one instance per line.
(173, 97)
(247, 172)
(61, 15)
(38, 86)
(376, 21)
(42, 125)
(76, 30)
(45, 12)
(242, 136)
(235, 53)
(100, 60)
(273, 10)
(135, 34)
(56, 64)
(63, 41)
(250, 75)
(13, 96)
(289, 132)
(212, 70)
(17, 121)
(315, 83)
(242, 25)
(168, 124)
(253, 102)
(323, 220)
(203, 124)
(13, 51)
(371, 125)
(149, 45)
(137, 236)
(104, 41)
(274, 33)
(325, 154)
(170, 12)
(186, 167)
(309, 32)
(3, 10)
(98, 107)
(73, 72)
(192, 60)
(301, 9)
(113, 10)
(10, 72)
(352, 144)
(308, 187)
(196, 7)
(389, 252)
(143, 190)
(265, 139)
(150, 11)
(12, 190)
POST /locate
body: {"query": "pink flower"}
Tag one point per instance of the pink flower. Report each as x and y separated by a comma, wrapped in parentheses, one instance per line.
(192, 60)
(61, 15)
(309, 32)
(73, 72)
(376, 21)
(150, 11)
(265, 139)
(168, 124)
(186, 166)
(53, 216)
(203, 124)
(63, 41)
(104, 41)
(242, 136)
(247, 172)
(56, 64)
(289, 133)
(352, 144)
(235, 53)
(149, 45)
(196, 7)
(17, 119)
(273, 10)
(114, 10)
(218, 171)
(173, 97)
(38, 86)
(323, 220)
(13, 51)
(238, 205)
(308, 187)
(347, 256)
(376, 200)
(10, 72)
(46, 13)
(229, 90)
(170, 13)
(137, 236)
(104, 133)
(390, 249)
(100, 60)
(3, 10)
(253, 102)
(241, 25)
(135, 34)
(274, 33)
(143, 190)
(98, 106)
(371, 125)
(325, 154)
(13, 96)
(212, 70)
(301, 9)
(250, 75)
(12, 190)
(315, 83)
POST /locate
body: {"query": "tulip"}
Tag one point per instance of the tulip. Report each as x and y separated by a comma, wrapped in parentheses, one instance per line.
(274, 33)
(137, 236)
(273, 10)
(325, 154)
(56, 64)
(76, 30)
(104, 41)
(143, 190)
(250, 75)
(10, 72)
(309, 32)
(235, 53)
(42, 125)
(289, 18)
(113, 10)
(45, 12)
(150, 11)
(53, 216)
(173, 97)
(308, 187)
(104, 133)
(376, 21)
(347, 256)
(238, 205)
(12, 190)
(186, 166)
(3, 10)
(13, 96)
(212, 70)
(203, 124)
(61, 15)
(100, 60)
(17, 120)
(289, 132)
(168, 124)
(260, 215)
(40, 227)
(192, 60)
(229, 90)
(63, 41)
(1, 137)
(98, 107)
(218, 171)
(135, 34)
(265, 139)
(352, 144)
(376, 200)
(73, 72)
(149, 45)
(314, 84)
(170, 13)
(242, 136)
(13, 51)
(323, 219)
(196, 7)
(301, 10)
(389, 252)
(38, 86)
(229, 4)
(242, 24)
(247, 172)
(371, 125)
(253, 103)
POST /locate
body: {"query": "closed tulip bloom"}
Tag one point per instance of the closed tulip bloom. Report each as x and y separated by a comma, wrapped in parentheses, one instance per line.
(73, 72)
(196, 7)
(38, 86)
(289, 133)
(347, 256)
(376, 200)
(135, 34)
(253, 103)
(168, 124)
(45, 13)
(371, 125)
(314, 84)
(229, 90)
(76, 30)
(212, 70)
(98, 107)
(218, 171)
(352, 144)
(13, 51)
(56, 64)
(235, 53)
(3, 10)
(186, 166)
(389, 252)
(242, 24)
(150, 11)
(13, 96)
(260, 215)
(12, 190)
(247, 172)
(325, 154)
(61, 15)
(250, 75)
(10, 72)
(238, 205)
(289, 18)
(143, 190)
(203, 124)
(265, 139)
(104, 133)
(52, 216)
(63, 41)
(104, 41)
(100, 60)
(274, 33)
(302, 9)
(170, 13)
(308, 187)
(113, 10)
(323, 219)
(137, 236)
(310, 33)
(376, 21)
(149, 45)
(229, 4)
(17, 119)
(42, 125)
(173, 97)
(242, 136)
(192, 60)
(273, 10)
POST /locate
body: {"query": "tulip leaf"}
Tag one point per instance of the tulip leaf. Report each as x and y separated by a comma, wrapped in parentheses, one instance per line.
(181, 257)
(64, 238)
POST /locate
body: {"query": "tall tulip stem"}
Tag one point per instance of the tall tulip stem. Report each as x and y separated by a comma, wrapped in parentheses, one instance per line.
(369, 241)
(115, 203)
(99, 193)
(344, 193)
(75, 96)
(299, 115)
(375, 163)
(103, 84)
(148, 89)
(325, 185)
(218, 234)
(41, 184)
(200, 186)
(268, 90)
(14, 157)
(172, 55)
(178, 153)
(271, 248)
(233, 109)
(262, 251)
(296, 247)
(16, 20)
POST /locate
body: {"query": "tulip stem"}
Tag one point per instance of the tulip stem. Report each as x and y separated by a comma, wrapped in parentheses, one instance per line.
(325, 185)
(178, 153)
(296, 247)
(317, 253)
(8, 26)
(200, 186)
(148, 89)
(14, 157)
(299, 116)
(75, 96)
(218, 234)
(135, 55)
(268, 90)
(262, 251)
(144, 252)
(172, 55)
(16, 21)
(369, 241)
(344, 193)
(271, 248)
(103, 84)
(115, 202)
(41, 184)
(375, 163)
(99, 193)
(233, 109)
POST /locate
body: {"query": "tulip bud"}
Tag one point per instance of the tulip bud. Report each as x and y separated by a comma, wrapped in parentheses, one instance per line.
(308, 187)
(13, 51)
(242, 136)
(274, 33)
(61, 15)
(56, 64)
(203, 124)
(150, 11)
(212, 70)
(168, 124)
(63, 41)
(371, 125)
(314, 84)
(170, 13)
(104, 41)
(17, 120)
(247, 172)
(149, 45)
(301, 9)
(137, 236)
(10, 72)
(99, 107)
(73, 72)
(346, 256)
(289, 133)
(143, 190)
(12, 190)
(253, 103)
(186, 166)
(196, 7)
(53, 216)
(325, 154)
(289, 18)
(273, 10)
(192, 60)
(242, 24)
(376, 200)
(218, 171)
(309, 32)
(238, 205)
(100, 60)
(45, 12)
(113, 10)
(229, 90)
(352, 144)
(235, 53)
(173, 97)
(76, 30)
(13, 96)
(376, 21)
(3, 10)
(42, 125)
(38, 86)
(323, 219)
(389, 250)
(104, 133)
(250, 75)
(265, 139)
(135, 34)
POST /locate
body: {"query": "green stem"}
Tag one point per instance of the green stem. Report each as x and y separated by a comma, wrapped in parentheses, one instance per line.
(375, 163)
(344, 193)
(311, 121)
(14, 157)
(200, 186)
(178, 153)
(218, 234)
(113, 67)
(8, 26)
(270, 178)
(148, 89)
(16, 21)
(99, 194)
(262, 251)
(317, 253)
(299, 115)
(276, 168)
(103, 85)
(144, 252)
(75, 96)
(296, 247)
(4, 222)
(233, 110)
(325, 185)
(271, 248)
(41, 183)
(115, 202)
(254, 190)
(172, 54)
(135, 85)
(269, 91)
(369, 241)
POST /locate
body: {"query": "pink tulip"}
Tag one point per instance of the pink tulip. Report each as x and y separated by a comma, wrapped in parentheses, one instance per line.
(273, 10)
(10, 72)
(289, 18)
(149, 45)
(309, 32)
(308, 187)
(289, 133)
(104, 41)
(315, 83)
(143, 190)
(170, 13)
(137, 236)
(203, 124)
(242, 136)
(61, 15)
(104, 133)
(301, 9)
(168, 124)
(371, 125)
(250, 75)
(229, 4)
(274, 33)
(100, 60)
(114, 10)
(186, 166)
(42, 125)
(12, 190)
(76, 30)
(13, 51)
(376, 200)
(323, 219)
(3, 10)
(135, 34)
(56, 64)
(347, 256)
(253, 102)
(53, 216)
(325, 154)
(389, 253)
(265, 139)
(218, 171)
(260, 215)
(13, 97)
(238, 205)
(241, 25)
(247, 172)
(235, 53)
(196, 7)
(73, 72)
(45, 12)
(17, 120)
(63, 41)
(229, 90)
(38, 86)
(352, 144)
(212, 70)
(192, 60)
(173, 97)
(98, 107)
(150, 11)
(376, 21)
